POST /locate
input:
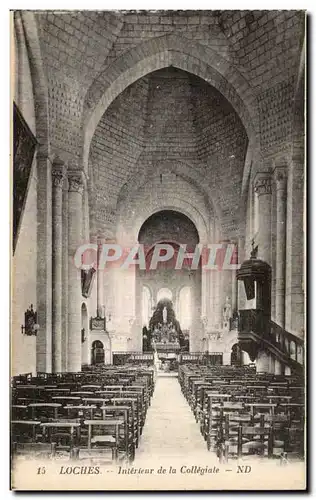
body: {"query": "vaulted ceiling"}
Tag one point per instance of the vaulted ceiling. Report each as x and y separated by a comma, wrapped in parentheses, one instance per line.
(169, 118)
(79, 47)
(168, 122)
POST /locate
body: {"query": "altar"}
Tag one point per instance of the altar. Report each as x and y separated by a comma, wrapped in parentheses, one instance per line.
(167, 339)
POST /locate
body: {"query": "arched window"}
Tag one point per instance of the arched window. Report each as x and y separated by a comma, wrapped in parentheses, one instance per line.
(185, 308)
(146, 305)
(164, 293)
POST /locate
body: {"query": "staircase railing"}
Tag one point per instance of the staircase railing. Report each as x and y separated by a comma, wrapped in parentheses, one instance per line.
(253, 320)
(292, 345)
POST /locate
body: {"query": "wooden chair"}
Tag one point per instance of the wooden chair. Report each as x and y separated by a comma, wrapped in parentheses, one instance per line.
(131, 402)
(66, 434)
(103, 435)
(34, 451)
(212, 416)
(254, 440)
(67, 400)
(127, 439)
(231, 415)
(44, 411)
(20, 412)
(24, 431)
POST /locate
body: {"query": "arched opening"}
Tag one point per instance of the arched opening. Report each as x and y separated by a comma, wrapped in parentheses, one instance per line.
(164, 293)
(98, 354)
(169, 148)
(176, 289)
(236, 355)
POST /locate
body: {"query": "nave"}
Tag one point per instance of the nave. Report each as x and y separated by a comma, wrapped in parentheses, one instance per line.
(158, 166)
(116, 414)
(171, 430)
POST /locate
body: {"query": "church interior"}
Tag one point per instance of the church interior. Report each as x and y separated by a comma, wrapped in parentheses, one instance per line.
(177, 130)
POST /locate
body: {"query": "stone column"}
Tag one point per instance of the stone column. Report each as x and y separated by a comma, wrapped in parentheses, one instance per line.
(58, 175)
(44, 266)
(295, 247)
(217, 313)
(262, 186)
(100, 282)
(205, 295)
(75, 180)
(65, 282)
(263, 362)
(235, 283)
(280, 181)
(210, 299)
(277, 367)
(241, 294)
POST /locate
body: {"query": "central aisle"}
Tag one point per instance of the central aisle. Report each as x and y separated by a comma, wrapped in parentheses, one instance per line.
(170, 429)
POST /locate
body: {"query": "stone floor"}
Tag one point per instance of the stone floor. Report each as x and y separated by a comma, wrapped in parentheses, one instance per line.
(172, 454)
(170, 429)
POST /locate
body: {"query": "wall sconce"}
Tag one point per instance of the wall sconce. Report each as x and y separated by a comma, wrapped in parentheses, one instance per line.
(30, 326)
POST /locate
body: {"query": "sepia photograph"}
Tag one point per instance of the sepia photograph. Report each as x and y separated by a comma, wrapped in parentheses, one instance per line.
(158, 250)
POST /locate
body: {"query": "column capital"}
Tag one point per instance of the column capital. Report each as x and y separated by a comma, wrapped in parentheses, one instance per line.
(97, 238)
(263, 183)
(58, 172)
(280, 177)
(75, 181)
(100, 240)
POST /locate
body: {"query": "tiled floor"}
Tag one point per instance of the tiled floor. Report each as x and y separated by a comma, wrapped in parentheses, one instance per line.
(170, 429)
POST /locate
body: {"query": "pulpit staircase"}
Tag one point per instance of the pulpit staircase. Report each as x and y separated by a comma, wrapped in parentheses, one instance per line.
(256, 332)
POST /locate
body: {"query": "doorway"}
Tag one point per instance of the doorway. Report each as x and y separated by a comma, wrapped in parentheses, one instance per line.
(98, 354)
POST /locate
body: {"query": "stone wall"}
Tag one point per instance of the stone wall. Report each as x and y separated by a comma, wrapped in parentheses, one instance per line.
(115, 149)
(24, 287)
(24, 262)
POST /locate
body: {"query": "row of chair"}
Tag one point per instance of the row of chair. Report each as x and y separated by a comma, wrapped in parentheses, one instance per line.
(241, 412)
(81, 415)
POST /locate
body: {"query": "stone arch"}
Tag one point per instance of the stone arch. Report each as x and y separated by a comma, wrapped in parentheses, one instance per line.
(236, 354)
(38, 80)
(130, 220)
(182, 169)
(184, 207)
(98, 352)
(167, 51)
